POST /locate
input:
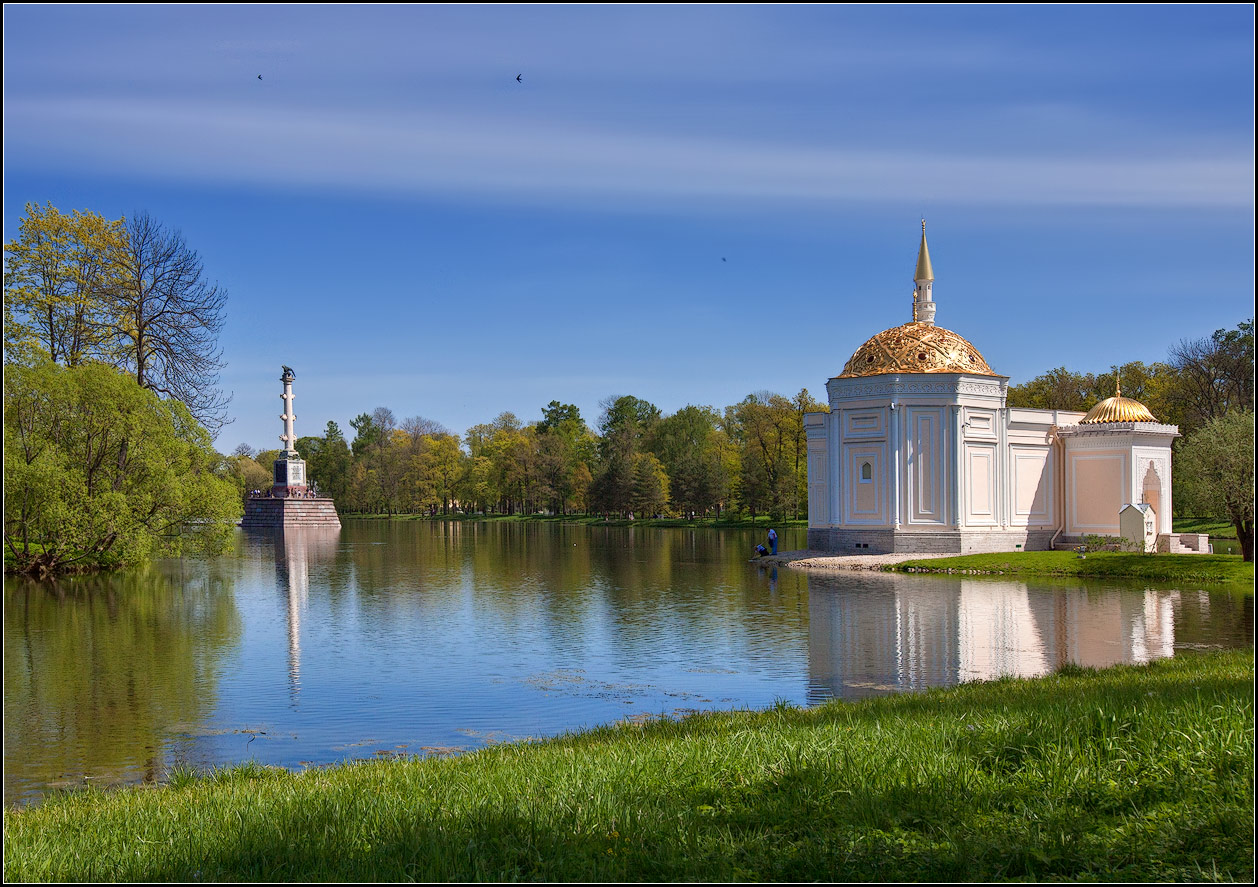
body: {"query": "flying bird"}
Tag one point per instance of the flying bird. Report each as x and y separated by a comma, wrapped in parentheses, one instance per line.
(259, 76)
(722, 258)
(517, 78)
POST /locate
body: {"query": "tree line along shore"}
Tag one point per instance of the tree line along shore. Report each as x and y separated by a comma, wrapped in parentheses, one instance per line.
(1133, 773)
(112, 398)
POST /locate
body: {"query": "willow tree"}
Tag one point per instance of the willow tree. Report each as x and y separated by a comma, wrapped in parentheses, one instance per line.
(1215, 466)
(98, 469)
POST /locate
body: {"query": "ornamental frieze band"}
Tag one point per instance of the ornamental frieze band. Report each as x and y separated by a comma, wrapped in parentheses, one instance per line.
(882, 389)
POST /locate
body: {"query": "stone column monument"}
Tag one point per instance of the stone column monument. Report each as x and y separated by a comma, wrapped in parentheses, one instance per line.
(290, 468)
(291, 502)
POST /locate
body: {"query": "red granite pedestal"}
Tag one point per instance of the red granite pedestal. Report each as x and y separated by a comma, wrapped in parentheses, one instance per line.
(285, 514)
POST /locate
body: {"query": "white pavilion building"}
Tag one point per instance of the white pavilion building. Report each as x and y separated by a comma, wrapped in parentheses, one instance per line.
(921, 453)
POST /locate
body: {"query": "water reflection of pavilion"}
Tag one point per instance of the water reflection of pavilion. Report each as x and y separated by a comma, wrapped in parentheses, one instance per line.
(884, 633)
(294, 551)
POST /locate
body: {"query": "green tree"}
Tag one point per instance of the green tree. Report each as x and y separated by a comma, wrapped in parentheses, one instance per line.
(556, 415)
(565, 449)
(627, 425)
(803, 403)
(1057, 389)
(650, 485)
(1216, 468)
(762, 424)
(327, 460)
(510, 456)
(688, 445)
(444, 462)
(248, 475)
(1155, 385)
(97, 467)
(59, 273)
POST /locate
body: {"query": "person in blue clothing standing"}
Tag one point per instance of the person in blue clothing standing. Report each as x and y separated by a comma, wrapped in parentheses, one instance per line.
(773, 541)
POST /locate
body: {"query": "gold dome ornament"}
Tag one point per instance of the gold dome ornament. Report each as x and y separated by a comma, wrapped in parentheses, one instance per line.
(916, 348)
(1117, 409)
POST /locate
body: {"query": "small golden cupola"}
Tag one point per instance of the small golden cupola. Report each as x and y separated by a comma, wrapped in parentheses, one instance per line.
(1117, 409)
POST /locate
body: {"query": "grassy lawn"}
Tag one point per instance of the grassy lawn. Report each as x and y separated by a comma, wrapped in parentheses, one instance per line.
(1134, 773)
(1096, 565)
(1213, 526)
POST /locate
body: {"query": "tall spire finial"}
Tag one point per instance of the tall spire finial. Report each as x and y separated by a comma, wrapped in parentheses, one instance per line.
(923, 271)
(923, 278)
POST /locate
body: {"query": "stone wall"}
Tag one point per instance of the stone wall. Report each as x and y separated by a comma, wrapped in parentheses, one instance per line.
(275, 514)
(883, 541)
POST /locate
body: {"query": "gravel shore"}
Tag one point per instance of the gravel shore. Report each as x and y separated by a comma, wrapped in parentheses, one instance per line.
(826, 562)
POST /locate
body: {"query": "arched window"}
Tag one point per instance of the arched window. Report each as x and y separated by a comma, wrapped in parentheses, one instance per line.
(867, 472)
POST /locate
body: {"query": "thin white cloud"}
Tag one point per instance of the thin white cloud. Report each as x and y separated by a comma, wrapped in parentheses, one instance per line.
(524, 159)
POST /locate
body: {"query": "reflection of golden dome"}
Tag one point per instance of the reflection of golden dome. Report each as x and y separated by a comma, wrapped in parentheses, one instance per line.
(916, 348)
(1118, 409)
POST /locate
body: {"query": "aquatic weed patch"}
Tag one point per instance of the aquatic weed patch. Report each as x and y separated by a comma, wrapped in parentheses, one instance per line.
(1131, 773)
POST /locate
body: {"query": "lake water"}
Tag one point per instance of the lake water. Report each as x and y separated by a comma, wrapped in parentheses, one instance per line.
(415, 637)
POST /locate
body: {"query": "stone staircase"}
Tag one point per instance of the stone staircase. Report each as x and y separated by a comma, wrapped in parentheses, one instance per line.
(1168, 543)
(1184, 543)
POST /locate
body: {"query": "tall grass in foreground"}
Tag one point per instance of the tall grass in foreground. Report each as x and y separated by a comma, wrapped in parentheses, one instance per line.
(1137, 773)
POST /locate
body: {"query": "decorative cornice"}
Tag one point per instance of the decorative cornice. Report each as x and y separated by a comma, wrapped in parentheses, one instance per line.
(914, 384)
(1118, 428)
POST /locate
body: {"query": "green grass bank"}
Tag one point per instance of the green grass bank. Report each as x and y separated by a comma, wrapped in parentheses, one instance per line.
(1206, 568)
(1134, 773)
(1213, 526)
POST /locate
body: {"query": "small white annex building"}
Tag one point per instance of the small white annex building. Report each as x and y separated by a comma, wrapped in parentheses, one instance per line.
(920, 453)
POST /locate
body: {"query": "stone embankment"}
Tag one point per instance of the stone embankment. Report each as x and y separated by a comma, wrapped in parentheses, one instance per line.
(822, 561)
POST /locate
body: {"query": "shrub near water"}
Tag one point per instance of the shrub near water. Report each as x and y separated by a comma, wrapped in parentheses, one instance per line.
(1137, 773)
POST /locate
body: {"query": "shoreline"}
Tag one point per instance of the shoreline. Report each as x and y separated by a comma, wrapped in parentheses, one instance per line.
(1192, 568)
(827, 562)
(1152, 762)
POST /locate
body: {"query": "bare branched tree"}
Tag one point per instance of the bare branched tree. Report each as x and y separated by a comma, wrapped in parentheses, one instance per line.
(1216, 373)
(418, 426)
(384, 419)
(166, 321)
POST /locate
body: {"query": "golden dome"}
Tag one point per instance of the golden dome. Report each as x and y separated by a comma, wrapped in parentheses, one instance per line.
(916, 348)
(1118, 409)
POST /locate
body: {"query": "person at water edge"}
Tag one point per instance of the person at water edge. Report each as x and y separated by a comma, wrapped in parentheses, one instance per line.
(773, 541)
(761, 551)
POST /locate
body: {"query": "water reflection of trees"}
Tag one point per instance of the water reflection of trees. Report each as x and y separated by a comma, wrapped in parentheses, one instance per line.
(99, 670)
(572, 585)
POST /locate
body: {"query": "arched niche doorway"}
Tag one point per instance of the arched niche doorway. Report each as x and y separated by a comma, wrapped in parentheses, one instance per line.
(1151, 490)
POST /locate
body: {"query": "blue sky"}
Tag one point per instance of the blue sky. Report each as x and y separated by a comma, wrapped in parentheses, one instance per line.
(686, 204)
